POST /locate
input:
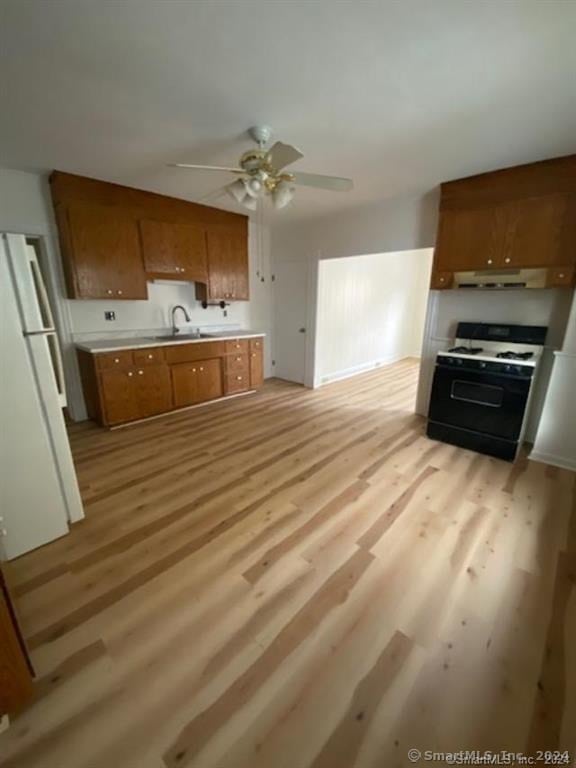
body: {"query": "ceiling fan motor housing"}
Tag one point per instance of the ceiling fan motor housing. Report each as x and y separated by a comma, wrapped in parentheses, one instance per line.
(261, 134)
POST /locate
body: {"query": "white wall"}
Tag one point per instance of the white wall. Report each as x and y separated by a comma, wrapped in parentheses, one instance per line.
(548, 307)
(371, 311)
(395, 225)
(25, 207)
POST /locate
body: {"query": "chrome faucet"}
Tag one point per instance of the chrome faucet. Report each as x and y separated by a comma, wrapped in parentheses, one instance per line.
(175, 328)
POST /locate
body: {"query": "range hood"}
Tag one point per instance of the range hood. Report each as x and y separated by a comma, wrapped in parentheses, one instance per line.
(494, 279)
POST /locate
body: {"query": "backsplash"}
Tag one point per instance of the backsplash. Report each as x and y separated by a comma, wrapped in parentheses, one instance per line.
(141, 317)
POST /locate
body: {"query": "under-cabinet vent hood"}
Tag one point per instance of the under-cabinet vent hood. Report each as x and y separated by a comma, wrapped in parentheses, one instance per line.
(500, 279)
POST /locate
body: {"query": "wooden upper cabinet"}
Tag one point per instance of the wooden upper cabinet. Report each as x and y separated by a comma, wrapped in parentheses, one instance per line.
(227, 266)
(102, 251)
(516, 218)
(470, 239)
(173, 249)
(535, 232)
(114, 238)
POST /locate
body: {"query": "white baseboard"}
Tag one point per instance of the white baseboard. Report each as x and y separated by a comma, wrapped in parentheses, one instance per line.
(555, 461)
(347, 373)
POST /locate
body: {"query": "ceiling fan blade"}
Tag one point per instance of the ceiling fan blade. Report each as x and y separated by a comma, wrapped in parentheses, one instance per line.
(281, 155)
(333, 183)
(206, 167)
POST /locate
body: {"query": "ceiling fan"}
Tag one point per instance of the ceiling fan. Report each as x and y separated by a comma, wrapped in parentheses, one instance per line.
(262, 173)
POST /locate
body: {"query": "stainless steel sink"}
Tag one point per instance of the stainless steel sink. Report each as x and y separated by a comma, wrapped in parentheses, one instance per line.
(182, 337)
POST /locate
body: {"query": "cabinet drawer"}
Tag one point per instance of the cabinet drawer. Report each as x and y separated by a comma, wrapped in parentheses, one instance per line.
(236, 382)
(235, 346)
(256, 344)
(148, 356)
(185, 353)
(236, 363)
(114, 360)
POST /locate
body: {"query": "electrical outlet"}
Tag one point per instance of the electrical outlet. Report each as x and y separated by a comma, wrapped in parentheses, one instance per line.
(109, 315)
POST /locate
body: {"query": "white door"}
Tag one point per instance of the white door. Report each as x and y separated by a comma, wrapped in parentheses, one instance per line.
(290, 326)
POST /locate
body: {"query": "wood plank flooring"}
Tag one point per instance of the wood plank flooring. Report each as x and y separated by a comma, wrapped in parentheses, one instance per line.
(299, 579)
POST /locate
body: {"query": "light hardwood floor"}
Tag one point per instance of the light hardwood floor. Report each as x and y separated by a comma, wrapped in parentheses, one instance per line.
(299, 579)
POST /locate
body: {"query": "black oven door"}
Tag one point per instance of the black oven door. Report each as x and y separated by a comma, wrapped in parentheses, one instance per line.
(490, 403)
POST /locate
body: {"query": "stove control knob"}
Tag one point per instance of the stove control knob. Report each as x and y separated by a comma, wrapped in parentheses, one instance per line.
(458, 361)
(482, 364)
(507, 368)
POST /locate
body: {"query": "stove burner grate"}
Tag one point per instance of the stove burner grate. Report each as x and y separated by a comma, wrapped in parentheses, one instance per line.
(515, 355)
(467, 350)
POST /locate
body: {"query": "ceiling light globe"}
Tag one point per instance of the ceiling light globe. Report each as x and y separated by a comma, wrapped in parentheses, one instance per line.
(237, 190)
(282, 194)
(254, 187)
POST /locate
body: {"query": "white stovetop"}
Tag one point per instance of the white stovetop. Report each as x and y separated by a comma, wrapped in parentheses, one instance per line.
(144, 342)
(491, 350)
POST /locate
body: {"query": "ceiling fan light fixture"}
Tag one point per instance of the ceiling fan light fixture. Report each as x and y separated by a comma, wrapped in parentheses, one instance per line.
(250, 202)
(254, 187)
(237, 190)
(282, 195)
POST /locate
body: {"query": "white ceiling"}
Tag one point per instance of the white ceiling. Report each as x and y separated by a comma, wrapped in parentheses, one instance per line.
(397, 95)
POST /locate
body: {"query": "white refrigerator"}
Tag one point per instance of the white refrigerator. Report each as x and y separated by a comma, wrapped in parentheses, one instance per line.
(39, 493)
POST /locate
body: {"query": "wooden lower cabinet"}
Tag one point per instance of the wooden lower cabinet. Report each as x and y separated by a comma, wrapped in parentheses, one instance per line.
(256, 364)
(153, 390)
(16, 686)
(128, 385)
(197, 382)
(118, 396)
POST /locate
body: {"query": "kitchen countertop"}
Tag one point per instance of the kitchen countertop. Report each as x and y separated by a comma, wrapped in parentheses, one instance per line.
(144, 342)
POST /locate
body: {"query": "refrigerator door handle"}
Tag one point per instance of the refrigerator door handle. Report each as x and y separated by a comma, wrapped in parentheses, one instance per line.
(43, 332)
(42, 293)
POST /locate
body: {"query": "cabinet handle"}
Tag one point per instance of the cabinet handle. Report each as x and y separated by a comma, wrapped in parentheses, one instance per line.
(109, 292)
(238, 359)
(239, 378)
(130, 373)
(140, 373)
(116, 359)
(182, 269)
(253, 354)
(561, 275)
(507, 260)
(201, 368)
(119, 293)
(193, 370)
(489, 261)
(150, 357)
(441, 279)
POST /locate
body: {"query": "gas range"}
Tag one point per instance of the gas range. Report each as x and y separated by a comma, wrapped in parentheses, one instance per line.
(494, 357)
(482, 386)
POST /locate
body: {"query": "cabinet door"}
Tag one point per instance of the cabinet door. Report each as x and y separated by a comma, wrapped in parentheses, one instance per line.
(185, 384)
(256, 368)
(15, 673)
(174, 249)
(153, 390)
(470, 239)
(196, 382)
(227, 265)
(105, 251)
(535, 232)
(209, 380)
(118, 394)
